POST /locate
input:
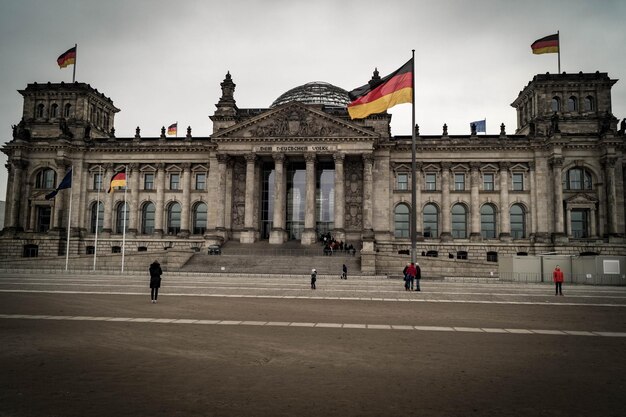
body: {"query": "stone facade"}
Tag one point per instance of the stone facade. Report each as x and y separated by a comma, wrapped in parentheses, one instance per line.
(285, 172)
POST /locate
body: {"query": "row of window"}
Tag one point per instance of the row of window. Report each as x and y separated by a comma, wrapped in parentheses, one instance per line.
(588, 104)
(148, 181)
(40, 110)
(573, 179)
(459, 213)
(148, 212)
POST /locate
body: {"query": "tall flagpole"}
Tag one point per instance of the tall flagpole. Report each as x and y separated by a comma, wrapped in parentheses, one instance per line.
(176, 128)
(69, 219)
(412, 225)
(75, 60)
(95, 244)
(559, 49)
(125, 214)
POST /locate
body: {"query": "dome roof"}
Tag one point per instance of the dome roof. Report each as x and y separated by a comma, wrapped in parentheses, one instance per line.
(317, 92)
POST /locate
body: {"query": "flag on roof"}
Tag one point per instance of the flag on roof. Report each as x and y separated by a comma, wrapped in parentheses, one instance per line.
(382, 94)
(172, 129)
(481, 125)
(547, 45)
(66, 182)
(118, 180)
(67, 58)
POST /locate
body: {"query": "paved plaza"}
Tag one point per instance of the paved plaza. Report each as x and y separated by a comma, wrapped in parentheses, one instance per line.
(218, 345)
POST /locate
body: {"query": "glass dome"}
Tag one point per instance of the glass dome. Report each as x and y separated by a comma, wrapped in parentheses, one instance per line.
(317, 92)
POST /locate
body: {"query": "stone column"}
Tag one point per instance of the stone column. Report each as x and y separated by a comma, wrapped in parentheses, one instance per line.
(419, 224)
(340, 204)
(159, 226)
(611, 194)
(446, 220)
(475, 234)
(368, 188)
(532, 228)
(108, 202)
(222, 160)
(14, 191)
(309, 235)
(248, 235)
(505, 221)
(59, 200)
(133, 170)
(592, 220)
(278, 233)
(559, 223)
(82, 179)
(186, 203)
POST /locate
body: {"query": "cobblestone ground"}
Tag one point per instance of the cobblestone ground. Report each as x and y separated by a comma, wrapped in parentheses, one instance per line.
(94, 344)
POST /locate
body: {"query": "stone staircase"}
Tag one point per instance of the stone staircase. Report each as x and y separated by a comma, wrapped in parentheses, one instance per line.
(263, 258)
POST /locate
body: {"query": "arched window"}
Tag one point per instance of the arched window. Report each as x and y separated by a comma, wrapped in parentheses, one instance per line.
(54, 111)
(173, 218)
(459, 221)
(488, 221)
(572, 104)
(45, 179)
(199, 219)
(588, 104)
(97, 216)
(401, 220)
(518, 221)
(39, 110)
(577, 179)
(147, 218)
(67, 110)
(556, 104)
(431, 221)
(121, 218)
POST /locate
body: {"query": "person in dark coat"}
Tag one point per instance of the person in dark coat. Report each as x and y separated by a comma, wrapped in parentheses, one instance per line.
(418, 276)
(313, 278)
(155, 280)
(344, 272)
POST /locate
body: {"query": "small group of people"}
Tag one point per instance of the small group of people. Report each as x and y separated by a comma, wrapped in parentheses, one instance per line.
(331, 245)
(412, 275)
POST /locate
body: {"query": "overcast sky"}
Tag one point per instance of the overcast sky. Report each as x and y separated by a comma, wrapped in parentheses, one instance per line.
(162, 61)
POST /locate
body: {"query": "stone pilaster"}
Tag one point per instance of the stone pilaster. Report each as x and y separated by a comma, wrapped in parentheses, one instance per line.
(368, 188)
(248, 235)
(108, 204)
(611, 194)
(505, 221)
(309, 235)
(135, 175)
(278, 233)
(419, 224)
(475, 234)
(558, 220)
(186, 202)
(159, 226)
(340, 204)
(222, 161)
(446, 220)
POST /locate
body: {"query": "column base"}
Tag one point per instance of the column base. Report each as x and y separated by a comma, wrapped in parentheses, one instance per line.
(446, 237)
(183, 234)
(476, 237)
(278, 236)
(308, 237)
(559, 238)
(368, 234)
(540, 238)
(505, 237)
(247, 236)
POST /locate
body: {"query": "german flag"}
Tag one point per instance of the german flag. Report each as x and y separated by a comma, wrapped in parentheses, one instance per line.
(172, 129)
(547, 45)
(380, 95)
(118, 180)
(67, 58)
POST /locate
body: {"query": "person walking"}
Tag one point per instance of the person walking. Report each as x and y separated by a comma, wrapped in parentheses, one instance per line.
(406, 276)
(410, 276)
(155, 280)
(557, 276)
(418, 276)
(344, 272)
(313, 278)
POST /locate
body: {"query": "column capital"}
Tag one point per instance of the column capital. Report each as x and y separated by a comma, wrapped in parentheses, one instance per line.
(475, 166)
(310, 157)
(186, 166)
(222, 158)
(160, 166)
(419, 166)
(504, 165)
(250, 158)
(446, 165)
(532, 165)
(368, 158)
(609, 161)
(132, 167)
(19, 163)
(556, 161)
(339, 157)
(278, 157)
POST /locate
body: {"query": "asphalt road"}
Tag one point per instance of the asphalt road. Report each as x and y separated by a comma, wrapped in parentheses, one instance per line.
(73, 345)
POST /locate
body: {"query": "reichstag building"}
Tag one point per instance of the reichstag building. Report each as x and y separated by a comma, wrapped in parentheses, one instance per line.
(302, 168)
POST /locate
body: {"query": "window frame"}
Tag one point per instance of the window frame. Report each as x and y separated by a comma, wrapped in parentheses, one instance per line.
(517, 185)
(174, 175)
(402, 221)
(148, 185)
(489, 185)
(430, 185)
(402, 185)
(459, 181)
(200, 185)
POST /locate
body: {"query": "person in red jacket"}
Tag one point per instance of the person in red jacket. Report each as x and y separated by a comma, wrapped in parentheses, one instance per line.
(557, 276)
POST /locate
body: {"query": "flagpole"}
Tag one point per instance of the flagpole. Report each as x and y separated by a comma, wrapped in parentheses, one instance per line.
(95, 244)
(412, 225)
(176, 128)
(125, 214)
(558, 37)
(69, 219)
(75, 60)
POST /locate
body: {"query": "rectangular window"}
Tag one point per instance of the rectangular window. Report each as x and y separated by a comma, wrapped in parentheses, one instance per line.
(459, 182)
(518, 182)
(488, 182)
(579, 223)
(431, 182)
(174, 181)
(97, 181)
(402, 182)
(200, 181)
(148, 181)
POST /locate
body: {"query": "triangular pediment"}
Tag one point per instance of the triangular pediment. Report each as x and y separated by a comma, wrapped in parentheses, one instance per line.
(295, 120)
(582, 198)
